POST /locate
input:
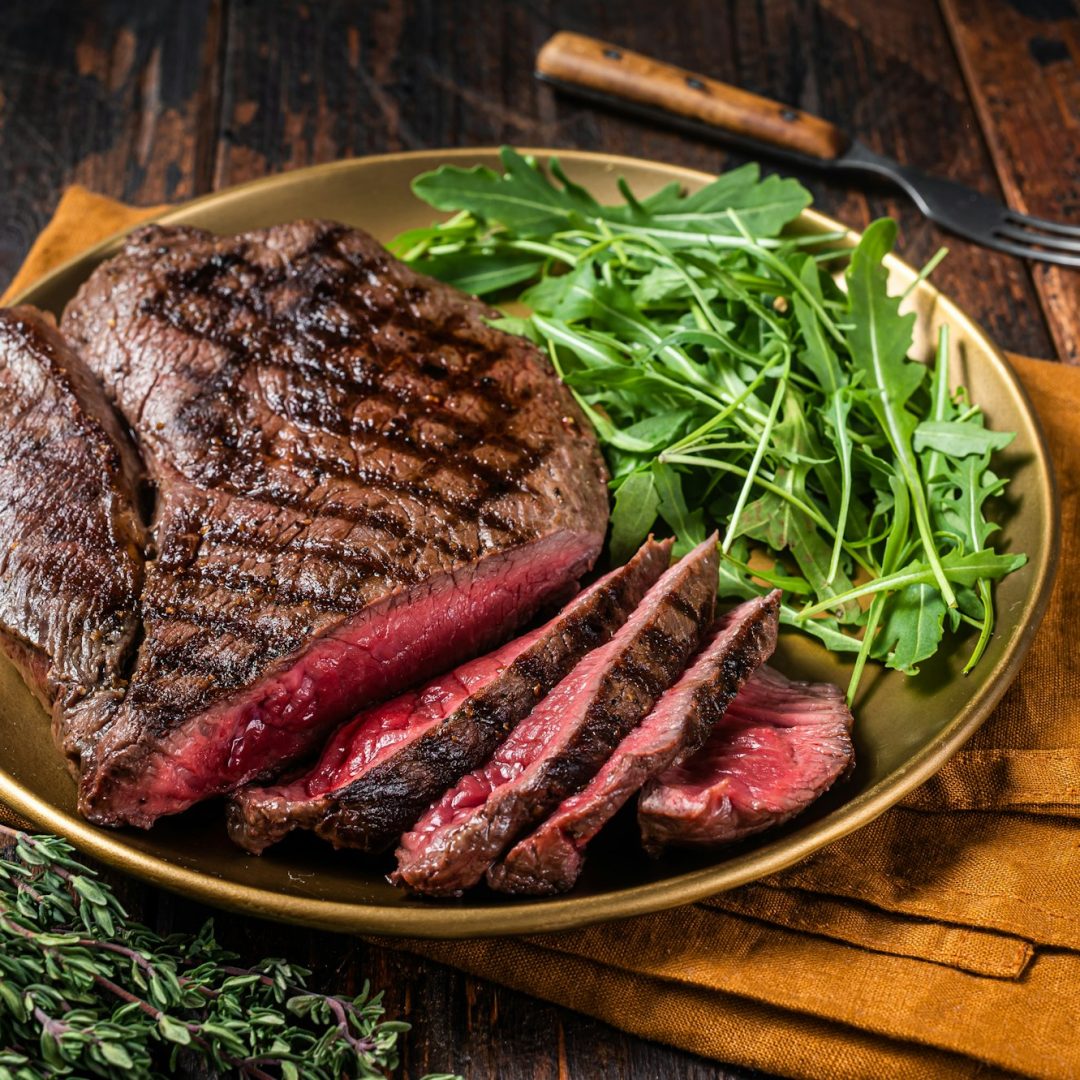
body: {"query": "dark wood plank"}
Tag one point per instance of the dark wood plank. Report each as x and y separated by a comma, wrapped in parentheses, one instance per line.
(413, 74)
(113, 96)
(1022, 63)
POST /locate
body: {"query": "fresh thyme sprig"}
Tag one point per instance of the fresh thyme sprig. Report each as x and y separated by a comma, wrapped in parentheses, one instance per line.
(732, 382)
(84, 991)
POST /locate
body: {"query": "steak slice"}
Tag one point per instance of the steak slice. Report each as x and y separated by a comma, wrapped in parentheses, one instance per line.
(380, 771)
(71, 564)
(566, 738)
(779, 746)
(358, 482)
(550, 859)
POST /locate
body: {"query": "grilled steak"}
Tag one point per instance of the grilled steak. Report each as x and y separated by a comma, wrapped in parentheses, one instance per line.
(358, 481)
(550, 859)
(380, 771)
(778, 747)
(71, 564)
(566, 738)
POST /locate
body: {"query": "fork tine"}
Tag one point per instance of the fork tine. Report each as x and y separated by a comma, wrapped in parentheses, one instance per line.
(1028, 237)
(1031, 222)
(1028, 251)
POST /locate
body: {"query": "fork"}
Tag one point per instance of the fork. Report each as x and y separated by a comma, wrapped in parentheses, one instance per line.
(613, 76)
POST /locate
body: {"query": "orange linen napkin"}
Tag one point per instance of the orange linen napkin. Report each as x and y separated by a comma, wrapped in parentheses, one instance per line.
(943, 940)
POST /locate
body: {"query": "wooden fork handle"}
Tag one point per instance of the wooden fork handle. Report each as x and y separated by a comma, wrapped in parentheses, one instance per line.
(608, 69)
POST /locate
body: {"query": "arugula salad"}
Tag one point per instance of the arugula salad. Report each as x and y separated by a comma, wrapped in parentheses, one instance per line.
(733, 383)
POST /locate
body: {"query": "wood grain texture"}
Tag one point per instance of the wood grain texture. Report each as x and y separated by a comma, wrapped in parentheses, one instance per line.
(1022, 64)
(414, 74)
(586, 62)
(149, 102)
(115, 96)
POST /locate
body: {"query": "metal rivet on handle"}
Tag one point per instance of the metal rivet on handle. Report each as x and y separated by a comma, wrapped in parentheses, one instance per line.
(788, 114)
(694, 83)
(613, 54)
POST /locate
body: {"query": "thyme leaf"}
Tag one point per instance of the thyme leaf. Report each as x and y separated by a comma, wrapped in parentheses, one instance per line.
(86, 991)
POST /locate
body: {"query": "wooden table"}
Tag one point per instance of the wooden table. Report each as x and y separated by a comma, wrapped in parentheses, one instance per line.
(155, 102)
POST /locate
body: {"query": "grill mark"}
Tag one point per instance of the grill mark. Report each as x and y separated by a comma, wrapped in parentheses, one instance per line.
(156, 696)
(308, 326)
(475, 505)
(474, 510)
(637, 667)
(310, 329)
(244, 629)
(302, 543)
(467, 434)
(679, 603)
(365, 517)
(259, 589)
(660, 644)
(368, 384)
(452, 453)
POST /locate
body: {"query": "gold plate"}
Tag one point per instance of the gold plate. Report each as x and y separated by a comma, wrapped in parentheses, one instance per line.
(906, 728)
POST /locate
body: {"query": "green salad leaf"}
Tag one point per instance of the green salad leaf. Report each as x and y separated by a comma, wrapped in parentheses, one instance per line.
(735, 383)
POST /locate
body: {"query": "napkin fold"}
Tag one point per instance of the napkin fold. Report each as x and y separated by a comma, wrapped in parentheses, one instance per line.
(942, 940)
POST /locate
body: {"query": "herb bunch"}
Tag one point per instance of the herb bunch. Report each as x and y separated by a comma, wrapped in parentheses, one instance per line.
(732, 381)
(86, 992)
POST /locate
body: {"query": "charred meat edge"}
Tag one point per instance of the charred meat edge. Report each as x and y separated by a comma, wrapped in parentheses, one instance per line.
(565, 740)
(372, 809)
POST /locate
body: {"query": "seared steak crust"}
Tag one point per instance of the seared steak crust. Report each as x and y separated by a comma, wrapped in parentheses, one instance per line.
(71, 564)
(551, 858)
(357, 480)
(363, 793)
(563, 742)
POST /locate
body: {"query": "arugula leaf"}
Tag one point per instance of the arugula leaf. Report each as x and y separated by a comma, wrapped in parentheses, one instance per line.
(912, 629)
(636, 504)
(879, 339)
(959, 438)
(688, 526)
(483, 271)
(968, 484)
(818, 355)
(826, 630)
(658, 430)
(763, 206)
(733, 383)
(667, 286)
(522, 198)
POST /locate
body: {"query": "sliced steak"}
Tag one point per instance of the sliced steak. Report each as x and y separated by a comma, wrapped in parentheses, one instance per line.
(71, 563)
(779, 746)
(566, 738)
(550, 859)
(380, 771)
(358, 482)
